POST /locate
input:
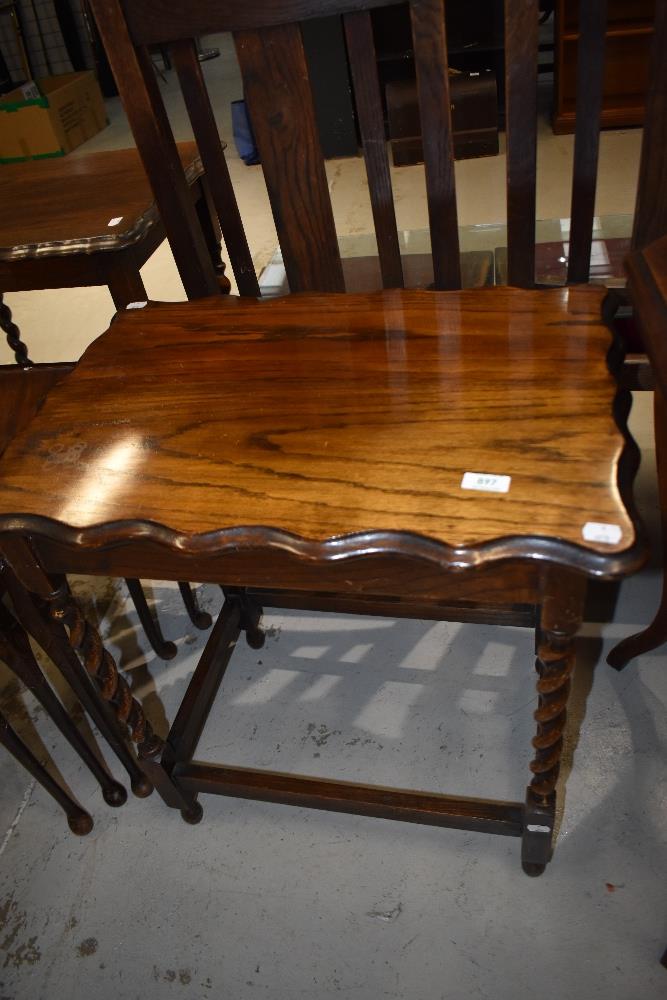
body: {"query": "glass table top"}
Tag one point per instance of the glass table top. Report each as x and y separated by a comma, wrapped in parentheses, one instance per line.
(611, 243)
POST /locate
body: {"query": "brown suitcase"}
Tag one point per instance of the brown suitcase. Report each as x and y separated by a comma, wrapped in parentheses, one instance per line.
(474, 101)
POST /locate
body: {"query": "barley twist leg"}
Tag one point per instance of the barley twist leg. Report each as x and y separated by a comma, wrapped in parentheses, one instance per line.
(13, 335)
(561, 616)
(99, 663)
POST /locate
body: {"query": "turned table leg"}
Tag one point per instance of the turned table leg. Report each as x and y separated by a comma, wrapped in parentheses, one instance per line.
(561, 614)
(250, 615)
(80, 822)
(100, 665)
(200, 619)
(13, 334)
(54, 643)
(656, 633)
(17, 654)
(162, 647)
(208, 220)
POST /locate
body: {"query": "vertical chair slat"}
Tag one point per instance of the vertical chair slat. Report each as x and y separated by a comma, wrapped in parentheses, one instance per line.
(590, 69)
(186, 60)
(521, 24)
(279, 98)
(145, 110)
(430, 48)
(651, 209)
(361, 52)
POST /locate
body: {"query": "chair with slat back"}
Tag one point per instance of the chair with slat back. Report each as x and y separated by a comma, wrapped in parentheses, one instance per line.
(445, 454)
(277, 91)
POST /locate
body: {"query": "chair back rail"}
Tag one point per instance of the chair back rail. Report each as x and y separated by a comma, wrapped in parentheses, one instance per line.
(188, 67)
(280, 102)
(277, 90)
(521, 23)
(133, 70)
(370, 116)
(590, 69)
(430, 48)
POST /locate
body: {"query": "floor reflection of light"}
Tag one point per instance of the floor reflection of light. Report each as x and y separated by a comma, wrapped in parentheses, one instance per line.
(267, 687)
(321, 687)
(478, 702)
(105, 477)
(496, 660)
(310, 652)
(356, 653)
(385, 713)
(429, 652)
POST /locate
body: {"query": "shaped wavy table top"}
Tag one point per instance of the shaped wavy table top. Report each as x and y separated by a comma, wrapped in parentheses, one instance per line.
(79, 203)
(313, 417)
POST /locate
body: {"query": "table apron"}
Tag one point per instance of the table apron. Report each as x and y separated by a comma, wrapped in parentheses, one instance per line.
(391, 576)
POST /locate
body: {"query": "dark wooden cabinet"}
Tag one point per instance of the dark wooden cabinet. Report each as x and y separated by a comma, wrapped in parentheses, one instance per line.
(627, 56)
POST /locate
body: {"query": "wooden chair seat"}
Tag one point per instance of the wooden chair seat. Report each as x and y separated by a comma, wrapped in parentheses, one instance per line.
(316, 451)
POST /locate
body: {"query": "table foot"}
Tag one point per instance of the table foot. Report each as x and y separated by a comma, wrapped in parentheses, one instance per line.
(193, 814)
(81, 824)
(115, 795)
(200, 619)
(142, 787)
(532, 869)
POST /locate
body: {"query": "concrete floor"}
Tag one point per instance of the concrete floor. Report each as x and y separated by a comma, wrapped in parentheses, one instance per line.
(264, 900)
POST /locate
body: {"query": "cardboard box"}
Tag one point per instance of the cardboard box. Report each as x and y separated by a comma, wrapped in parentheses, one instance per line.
(50, 118)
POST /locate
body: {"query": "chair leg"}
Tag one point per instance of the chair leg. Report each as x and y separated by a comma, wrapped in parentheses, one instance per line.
(50, 637)
(561, 614)
(656, 633)
(79, 821)
(17, 654)
(200, 619)
(163, 648)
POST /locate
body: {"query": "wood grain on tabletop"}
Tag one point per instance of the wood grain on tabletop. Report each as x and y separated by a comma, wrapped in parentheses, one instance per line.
(324, 415)
(73, 198)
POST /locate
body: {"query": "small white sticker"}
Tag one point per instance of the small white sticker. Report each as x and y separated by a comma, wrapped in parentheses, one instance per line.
(136, 305)
(536, 828)
(595, 531)
(486, 482)
(115, 221)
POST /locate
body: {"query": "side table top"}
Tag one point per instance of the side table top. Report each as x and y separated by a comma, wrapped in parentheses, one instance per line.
(75, 204)
(338, 424)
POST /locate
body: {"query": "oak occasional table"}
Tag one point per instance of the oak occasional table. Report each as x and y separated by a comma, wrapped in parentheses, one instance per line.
(86, 220)
(312, 452)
